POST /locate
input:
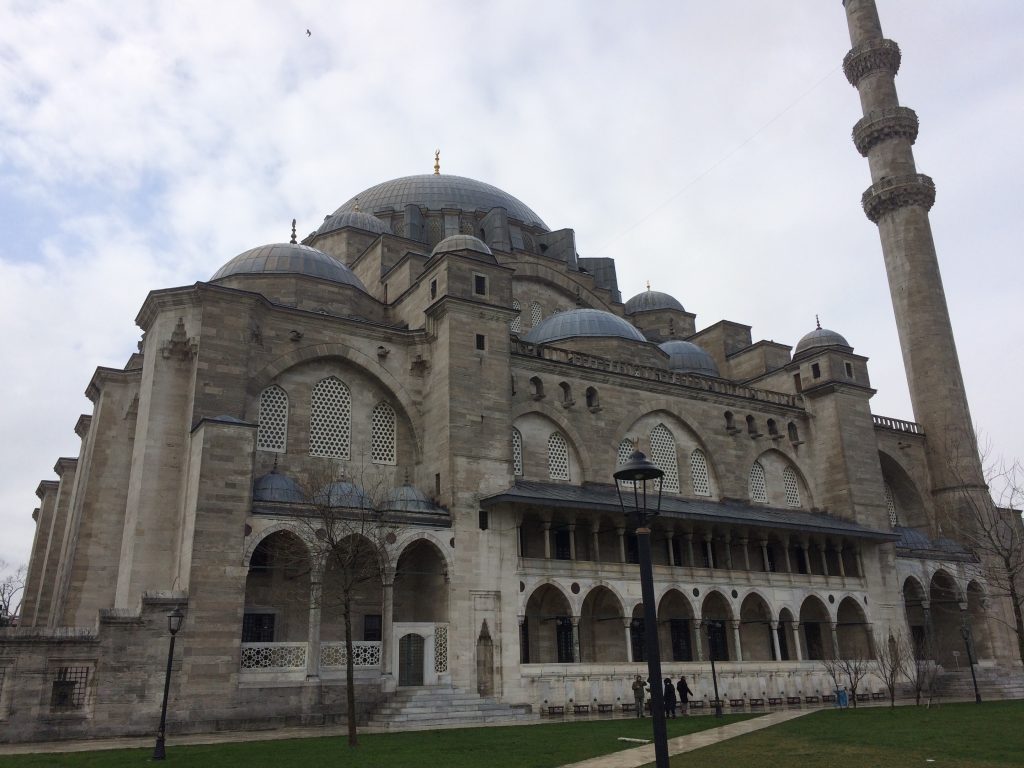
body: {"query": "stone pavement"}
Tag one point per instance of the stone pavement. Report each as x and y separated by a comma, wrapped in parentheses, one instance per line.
(633, 758)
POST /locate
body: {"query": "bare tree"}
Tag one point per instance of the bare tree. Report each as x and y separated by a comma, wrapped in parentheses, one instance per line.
(834, 669)
(855, 668)
(922, 673)
(890, 664)
(12, 589)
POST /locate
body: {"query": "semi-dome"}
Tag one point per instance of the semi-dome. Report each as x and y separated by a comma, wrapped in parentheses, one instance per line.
(277, 488)
(289, 258)
(820, 337)
(649, 301)
(358, 219)
(461, 243)
(685, 356)
(407, 498)
(342, 493)
(582, 322)
(436, 192)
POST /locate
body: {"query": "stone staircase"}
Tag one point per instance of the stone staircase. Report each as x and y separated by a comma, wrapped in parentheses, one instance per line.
(428, 707)
(993, 683)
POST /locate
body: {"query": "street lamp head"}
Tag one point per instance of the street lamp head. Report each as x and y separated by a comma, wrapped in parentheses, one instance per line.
(637, 469)
(174, 620)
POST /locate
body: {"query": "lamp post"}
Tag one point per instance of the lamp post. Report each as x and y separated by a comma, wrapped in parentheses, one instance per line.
(641, 473)
(711, 624)
(965, 630)
(174, 620)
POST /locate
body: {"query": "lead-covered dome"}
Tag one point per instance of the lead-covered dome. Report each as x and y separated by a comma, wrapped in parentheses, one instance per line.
(276, 488)
(289, 259)
(461, 243)
(407, 498)
(687, 357)
(358, 219)
(649, 301)
(820, 337)
(583, 322)
(342, 493)
(435, 192)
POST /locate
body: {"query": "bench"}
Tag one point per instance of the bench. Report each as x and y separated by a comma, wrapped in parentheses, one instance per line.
(879, 695)
(556, 710)
(715, 703)
(828, 698)
(736, 703)
(604, 708)
(580, 709)
(775, 701)
(863, 697)
(793, 701)
(811, 699)
(756, 703)
(627, 707)
(696, 704)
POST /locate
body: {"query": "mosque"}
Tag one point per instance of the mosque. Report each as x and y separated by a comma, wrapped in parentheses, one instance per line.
(439, 371)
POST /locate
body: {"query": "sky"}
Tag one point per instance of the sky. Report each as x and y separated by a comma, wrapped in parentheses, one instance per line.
(703, 146)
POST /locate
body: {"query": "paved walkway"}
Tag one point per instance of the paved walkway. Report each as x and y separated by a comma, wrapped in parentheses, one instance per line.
(633, 758)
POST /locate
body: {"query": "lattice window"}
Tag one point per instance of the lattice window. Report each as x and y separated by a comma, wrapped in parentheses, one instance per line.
(517, 323)
(890, 506)
(758, 489)
(365, 653)
(434, 231)
(440, 648)
(273, 655)
(663, 456)
(382, 435)
(330, 420)
(67, 693)
(558, 457)
(699, 471)
(791, 487)
(517, 452)
(272, 434)
(536, 314)
(626, 448)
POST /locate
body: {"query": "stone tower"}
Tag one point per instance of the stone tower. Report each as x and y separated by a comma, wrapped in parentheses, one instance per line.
(898, 201)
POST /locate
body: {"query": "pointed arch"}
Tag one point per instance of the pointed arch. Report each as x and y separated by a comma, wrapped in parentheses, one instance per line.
(601, 636)
(272, 434)
(330, 419)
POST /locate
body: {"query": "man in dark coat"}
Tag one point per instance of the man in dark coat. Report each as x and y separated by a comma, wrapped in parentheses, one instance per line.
(684, 695)
(670, 698)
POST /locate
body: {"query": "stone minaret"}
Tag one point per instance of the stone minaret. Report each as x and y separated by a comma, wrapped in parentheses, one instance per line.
(898, 201)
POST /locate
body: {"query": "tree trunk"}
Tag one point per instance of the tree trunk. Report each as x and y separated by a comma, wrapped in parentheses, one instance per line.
(350, 683)
(1018, 617)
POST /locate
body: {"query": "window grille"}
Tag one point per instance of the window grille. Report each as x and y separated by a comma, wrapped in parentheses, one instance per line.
(517, 322)
(626, 449)
(68, 691)
(663, 456)
(536, 314)
(890, 506)
(758, 489)
(272, 434)
(440, 648)
(330, 420)
(791, 487)
(517, 452)
(258, 627)
(382, 435)
(558, 457)
(699, 470)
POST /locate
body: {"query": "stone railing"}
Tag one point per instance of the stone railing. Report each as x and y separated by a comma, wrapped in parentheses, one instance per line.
(274, 656)
(897, 425)
(365, 653)
(650, 373)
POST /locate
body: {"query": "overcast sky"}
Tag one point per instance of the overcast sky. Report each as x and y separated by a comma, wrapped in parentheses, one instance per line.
(703, 145)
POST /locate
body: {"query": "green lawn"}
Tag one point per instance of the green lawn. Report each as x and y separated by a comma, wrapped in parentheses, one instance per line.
(533, 746)
(962, 735)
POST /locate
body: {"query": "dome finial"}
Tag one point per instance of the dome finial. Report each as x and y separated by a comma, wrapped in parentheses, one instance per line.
(293, 241)
(648, 285)
(817, 322)
(356, 206)
(437, 162)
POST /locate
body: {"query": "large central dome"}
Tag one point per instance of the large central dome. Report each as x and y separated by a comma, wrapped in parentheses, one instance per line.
(436, 192)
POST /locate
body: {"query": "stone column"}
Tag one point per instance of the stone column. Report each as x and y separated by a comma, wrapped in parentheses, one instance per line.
(575, 638)
(523, 658)
(698, 637)
(710, 550)
(728, 551)
(746, 552)
(839, 557)
(860, 561)
(572, 541)
(547, 539)
(736, 640)
(929, 634)
(689, 549)
(387, 623)
(316, 584)
(785, 550)
(775, 640)
(798, 651)
(595, 530)
(627, 622)
(669, 541)
(824, 559)
(764, 556)
(835, 640)
(805, 552)
(622, 544)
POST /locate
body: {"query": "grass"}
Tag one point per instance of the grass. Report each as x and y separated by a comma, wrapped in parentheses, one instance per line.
(962, 735)
(535, 746)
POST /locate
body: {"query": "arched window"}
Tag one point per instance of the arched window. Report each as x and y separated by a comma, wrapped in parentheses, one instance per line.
(752, 427)
(794, 434)
(330, 419)
(566, 393)
(517, 452)
(517, 322)
(592, 399)
(382, 435)
(699, 471)
(663, 456)
(773, 430)
(758, 489)
(537, 387)
(272, 434)
(558, 457)
(536, 314)
(791, 487)
(890, 506)
(730, 422)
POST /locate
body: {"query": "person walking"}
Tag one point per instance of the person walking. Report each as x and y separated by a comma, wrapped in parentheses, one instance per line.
(670, 698)
(684, 695)
(638, 695)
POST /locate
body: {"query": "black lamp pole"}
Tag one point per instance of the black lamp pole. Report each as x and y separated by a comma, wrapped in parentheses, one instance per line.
(965, 630)
(714, 674)
(174, 619)
(639, 471)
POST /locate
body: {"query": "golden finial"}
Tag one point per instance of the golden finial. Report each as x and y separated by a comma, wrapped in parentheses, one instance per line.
(648, 285)
(437, 162)
(293, 241)
(817, 322)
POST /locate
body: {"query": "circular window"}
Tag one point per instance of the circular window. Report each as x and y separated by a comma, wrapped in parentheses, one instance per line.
(735, 593)
(831, 598)
(696, 592)
(575, 588)
(451, 543)
(522, 587)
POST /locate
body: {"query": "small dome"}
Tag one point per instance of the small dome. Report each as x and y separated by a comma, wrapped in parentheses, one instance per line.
(341, 493)
(461, 243)
(820, 337)
(649, 300)
(358, 219)
(289, 258)
(687, 357)
(277, 488)
(407, 498)
(583, 322)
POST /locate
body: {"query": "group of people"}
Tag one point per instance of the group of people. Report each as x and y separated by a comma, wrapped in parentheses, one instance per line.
(640, 689)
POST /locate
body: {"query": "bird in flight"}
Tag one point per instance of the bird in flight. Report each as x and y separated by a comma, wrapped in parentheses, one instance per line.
(308, 33)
